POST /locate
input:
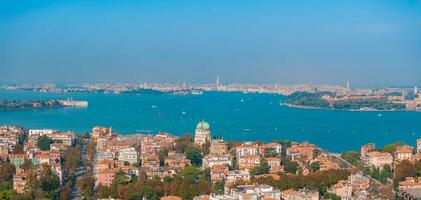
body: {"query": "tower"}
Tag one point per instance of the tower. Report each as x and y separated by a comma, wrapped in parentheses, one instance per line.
(348, 88)
(415, 90)
(217, 83)
(202, 133)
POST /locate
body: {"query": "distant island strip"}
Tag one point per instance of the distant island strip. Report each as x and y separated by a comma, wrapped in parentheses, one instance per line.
(7, 105)
(331, 101)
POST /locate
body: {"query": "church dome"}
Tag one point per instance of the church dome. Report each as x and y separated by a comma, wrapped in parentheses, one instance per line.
(203, 125)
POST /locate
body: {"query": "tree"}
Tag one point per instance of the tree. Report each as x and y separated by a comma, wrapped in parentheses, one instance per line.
(263, 168)
(389, 148)
(162, 155)
(219, 187)
(290, 166)
(120, 178)
(48, 179)
(86, 185)
(314, 166)
(195, 155)
(404, 169)
(27, 165)
(271, 152)
(44, 142)
(18, 148)
(6, 171)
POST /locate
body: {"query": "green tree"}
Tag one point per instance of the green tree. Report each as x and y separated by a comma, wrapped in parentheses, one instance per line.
(263, 168)
(389, 148)
(219, 187)
(86, 185)
(44, 143)
(48, 179)
(120, 178)
(314, 166)
(195, 155)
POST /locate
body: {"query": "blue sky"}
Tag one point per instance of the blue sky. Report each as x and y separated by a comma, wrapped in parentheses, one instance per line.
(370, 43)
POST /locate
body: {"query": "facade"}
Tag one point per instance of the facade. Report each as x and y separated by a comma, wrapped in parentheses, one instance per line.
(248, 161)
(210, 160)
(128, 155)
(238, 175)
(106, 177)
(365, 149)
(273, 162)
(299, 195)
(342, 189)
(254, 192)
(177, 160)
(379, 159)
(218, 147)
(302, 150)
(419, 145)
(99, 132)
(403, 152)
(218, 173)
(202, 133)
(410, 189)
(19, 180)
(247, 148)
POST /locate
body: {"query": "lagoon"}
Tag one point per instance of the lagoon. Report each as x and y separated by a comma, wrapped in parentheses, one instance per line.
(232, 115)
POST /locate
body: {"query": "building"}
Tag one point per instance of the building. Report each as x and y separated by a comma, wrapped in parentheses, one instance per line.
(218, 147)
(277, 148)
(273, 162)
(105, 155)
(128, 155)
(34, 134)
(302, 150)
(20, 178)
(106, 177)
(410, 189)
(99, 132)
(210, 160)
(342, 189)
(218, 173)
(403, 152)
(202, 133)
(419, 144)
(247, 148)
(365, 149)
(177, 160)
(248, 161)
(302, 194)
(379, 159)
(235, 175)
(254, 192)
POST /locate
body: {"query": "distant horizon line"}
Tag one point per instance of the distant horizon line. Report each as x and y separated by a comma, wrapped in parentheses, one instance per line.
(66, 83)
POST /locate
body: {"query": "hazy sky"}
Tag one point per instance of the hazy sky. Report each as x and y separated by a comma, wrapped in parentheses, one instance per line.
(371, 43)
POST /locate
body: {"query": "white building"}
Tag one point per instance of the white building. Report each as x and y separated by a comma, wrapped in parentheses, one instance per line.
(237, 175)
(202, 134)
(128, 155)
(210, 160)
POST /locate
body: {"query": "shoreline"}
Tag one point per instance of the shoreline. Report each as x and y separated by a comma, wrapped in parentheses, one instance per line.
(334, 109)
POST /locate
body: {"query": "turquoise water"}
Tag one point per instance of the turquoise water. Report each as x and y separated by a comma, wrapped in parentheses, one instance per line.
(235, 116)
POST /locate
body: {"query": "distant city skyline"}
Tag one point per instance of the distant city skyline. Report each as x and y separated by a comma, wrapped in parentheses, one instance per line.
(369, 43)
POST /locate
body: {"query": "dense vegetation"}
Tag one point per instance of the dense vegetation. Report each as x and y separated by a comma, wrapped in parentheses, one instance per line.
(315, 100)
(308, 99)
(29, 104)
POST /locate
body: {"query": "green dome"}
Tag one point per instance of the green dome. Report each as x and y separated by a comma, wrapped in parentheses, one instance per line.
(203, 125)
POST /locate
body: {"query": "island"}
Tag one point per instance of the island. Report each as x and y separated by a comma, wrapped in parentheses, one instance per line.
(331, 101)
(7, 105)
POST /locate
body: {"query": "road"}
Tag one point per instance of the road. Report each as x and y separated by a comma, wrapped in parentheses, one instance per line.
(75, 193)
(349, 165)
